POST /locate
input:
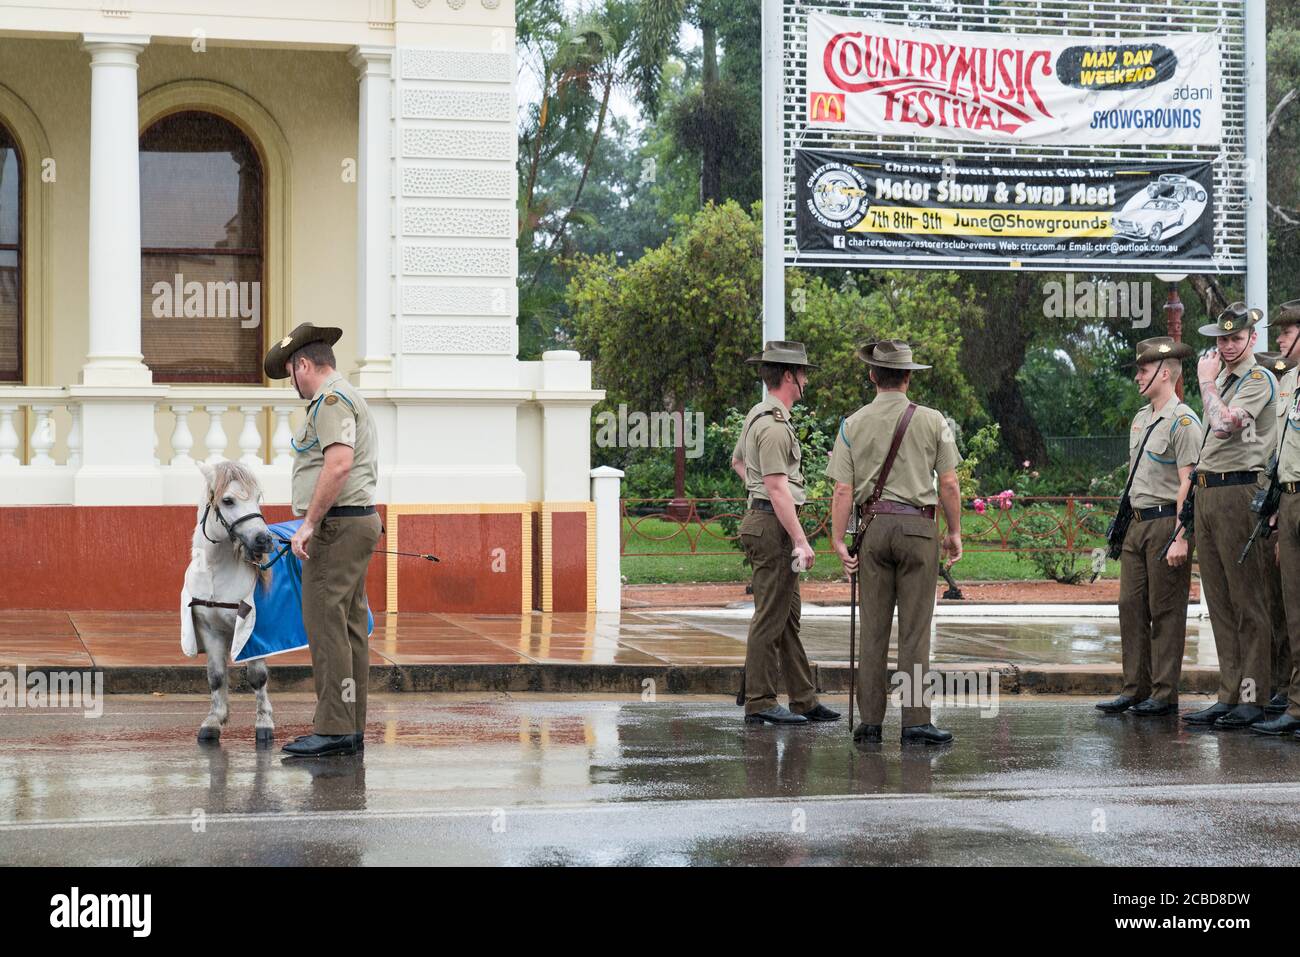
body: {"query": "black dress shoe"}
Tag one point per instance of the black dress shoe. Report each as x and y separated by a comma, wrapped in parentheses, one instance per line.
(1208, 715)
(1277, 704)
(821, 713)
(1151, 708)
(866, 733)
(1117, 705)
(1242, 716)
(1282, 724)
(318, 745)
(358, 739)
(776, 714)
(927, 733)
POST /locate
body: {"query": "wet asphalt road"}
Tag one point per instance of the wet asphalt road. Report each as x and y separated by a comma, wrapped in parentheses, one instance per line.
(495, 779)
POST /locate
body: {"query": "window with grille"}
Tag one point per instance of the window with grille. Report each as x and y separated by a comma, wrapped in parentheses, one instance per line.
(11, 254)
(201, 255)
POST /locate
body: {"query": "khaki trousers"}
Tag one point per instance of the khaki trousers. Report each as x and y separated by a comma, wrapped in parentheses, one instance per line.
(1281, 641)
(1238, 604)
(334, 613)
(1152, 612)
(773, 645)
(1288, 527)
(897, 567)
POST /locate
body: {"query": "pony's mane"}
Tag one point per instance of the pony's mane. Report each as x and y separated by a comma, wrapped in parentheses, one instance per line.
(225, 472)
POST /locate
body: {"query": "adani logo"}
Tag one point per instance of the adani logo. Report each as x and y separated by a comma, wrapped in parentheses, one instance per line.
(825, 107)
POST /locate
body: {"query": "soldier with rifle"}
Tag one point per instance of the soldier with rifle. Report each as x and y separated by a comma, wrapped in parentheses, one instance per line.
(1239, 397)
(884, 464)
(1154, 582)
(1281, 509)
(1279, 363)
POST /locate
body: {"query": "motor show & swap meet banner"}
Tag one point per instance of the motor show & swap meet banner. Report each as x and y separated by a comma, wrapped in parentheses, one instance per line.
(1001, 210)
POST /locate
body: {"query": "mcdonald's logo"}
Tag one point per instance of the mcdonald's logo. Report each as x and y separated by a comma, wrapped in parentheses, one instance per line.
(826, 107)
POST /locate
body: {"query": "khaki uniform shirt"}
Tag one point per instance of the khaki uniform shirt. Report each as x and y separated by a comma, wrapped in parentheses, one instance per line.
(768, 446)
(863, 442)
(1288, 428)
(1174, 443)
(336, 415)
(1249, 448)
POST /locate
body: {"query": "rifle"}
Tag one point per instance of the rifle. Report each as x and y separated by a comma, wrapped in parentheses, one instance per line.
(1265, 505)
(1186, 517)
(1118, 527)
(1186, 514)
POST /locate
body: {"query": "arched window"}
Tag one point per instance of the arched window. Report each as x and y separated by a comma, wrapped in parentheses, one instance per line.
(11, 259)
(201, 255)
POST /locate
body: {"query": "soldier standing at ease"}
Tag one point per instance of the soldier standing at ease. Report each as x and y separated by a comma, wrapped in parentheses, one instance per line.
(1286, 549)
(1164, 443)
(1280, 363)
(767, 457)
(334, 477)
(900, 551)
(1239, 412)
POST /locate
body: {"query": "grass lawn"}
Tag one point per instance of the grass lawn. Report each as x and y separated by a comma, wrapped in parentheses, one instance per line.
(662, 569)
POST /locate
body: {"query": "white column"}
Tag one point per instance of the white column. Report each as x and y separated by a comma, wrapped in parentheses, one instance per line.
(773, 176)
(605, 483)
(1257, 163)
(566, 427)
(114, 358)
(374, 217)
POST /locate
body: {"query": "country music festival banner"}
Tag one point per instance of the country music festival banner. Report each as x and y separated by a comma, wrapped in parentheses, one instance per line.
(865, 75)
(1000, 210)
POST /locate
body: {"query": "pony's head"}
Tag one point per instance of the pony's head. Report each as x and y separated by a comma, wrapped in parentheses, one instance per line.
(233, 502)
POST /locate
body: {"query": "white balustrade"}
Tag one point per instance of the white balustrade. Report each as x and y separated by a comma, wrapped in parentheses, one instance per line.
(282, 439)
(74, 437)
(182, 440)
(215, 440)
(43, 436)
(8, 436)
(250, 439)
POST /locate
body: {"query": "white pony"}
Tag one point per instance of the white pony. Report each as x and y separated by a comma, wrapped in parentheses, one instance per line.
(231, 539)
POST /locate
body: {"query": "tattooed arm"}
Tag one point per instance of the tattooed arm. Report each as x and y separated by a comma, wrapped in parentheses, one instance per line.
(1220, 417)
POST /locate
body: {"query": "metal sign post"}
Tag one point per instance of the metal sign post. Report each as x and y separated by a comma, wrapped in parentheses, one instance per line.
(773, 174)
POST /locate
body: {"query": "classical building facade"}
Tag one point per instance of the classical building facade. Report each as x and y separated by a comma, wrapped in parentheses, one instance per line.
(182, 184)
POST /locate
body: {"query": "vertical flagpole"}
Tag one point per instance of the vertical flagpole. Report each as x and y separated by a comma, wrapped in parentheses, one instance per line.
(773, 175)
(1256, 162)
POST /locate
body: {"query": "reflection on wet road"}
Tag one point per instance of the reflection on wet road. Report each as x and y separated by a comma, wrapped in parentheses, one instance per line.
(582, 779)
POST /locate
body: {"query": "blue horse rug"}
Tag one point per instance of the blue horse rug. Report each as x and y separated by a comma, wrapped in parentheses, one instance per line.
(278, 626)
(270, 620)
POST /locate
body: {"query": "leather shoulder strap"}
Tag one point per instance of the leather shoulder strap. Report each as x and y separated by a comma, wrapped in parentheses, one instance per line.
(901, 428)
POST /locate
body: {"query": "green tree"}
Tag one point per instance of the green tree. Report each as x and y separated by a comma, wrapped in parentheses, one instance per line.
(922, 308)
(674, 326)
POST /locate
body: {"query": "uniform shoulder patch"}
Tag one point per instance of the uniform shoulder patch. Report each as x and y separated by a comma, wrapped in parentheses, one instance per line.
(778, 415)
(331, 399)
(1185, 420)
(1256, 374)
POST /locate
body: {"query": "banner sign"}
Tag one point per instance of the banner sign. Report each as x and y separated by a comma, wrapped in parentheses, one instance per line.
(866, 75)
(1001, 210)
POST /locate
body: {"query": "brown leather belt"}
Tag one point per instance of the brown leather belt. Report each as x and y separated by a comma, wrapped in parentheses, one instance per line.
(885, 507)
(1155, 511)
(1290, 487)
